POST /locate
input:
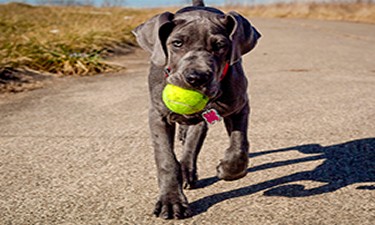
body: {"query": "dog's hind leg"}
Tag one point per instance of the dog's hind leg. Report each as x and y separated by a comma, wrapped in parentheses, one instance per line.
(192, 143)
(234, 164)
(182, 132)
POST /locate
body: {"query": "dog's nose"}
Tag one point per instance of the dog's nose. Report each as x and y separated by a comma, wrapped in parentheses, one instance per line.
(197, 79)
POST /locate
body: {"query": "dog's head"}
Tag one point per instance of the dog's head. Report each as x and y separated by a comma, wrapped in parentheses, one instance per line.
(195, 44)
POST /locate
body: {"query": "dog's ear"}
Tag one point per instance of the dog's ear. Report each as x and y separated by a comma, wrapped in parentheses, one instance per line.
(244, 37)
(152, 36)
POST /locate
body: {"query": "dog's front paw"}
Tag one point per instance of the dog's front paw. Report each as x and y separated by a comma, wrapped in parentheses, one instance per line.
(172, 206)
(233, 167)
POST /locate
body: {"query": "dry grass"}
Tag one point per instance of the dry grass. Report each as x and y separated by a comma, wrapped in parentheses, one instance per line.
(63, 40)
(353, 12)
(73, 40)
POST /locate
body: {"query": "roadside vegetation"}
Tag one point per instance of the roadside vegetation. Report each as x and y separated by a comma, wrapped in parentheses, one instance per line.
(63, 40)
(362, 11)
(74, 40)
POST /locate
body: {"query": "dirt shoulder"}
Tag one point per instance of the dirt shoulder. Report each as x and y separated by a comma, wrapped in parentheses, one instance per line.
(13, 81)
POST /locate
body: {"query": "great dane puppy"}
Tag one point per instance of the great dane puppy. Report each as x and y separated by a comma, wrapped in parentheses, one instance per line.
(196, 48)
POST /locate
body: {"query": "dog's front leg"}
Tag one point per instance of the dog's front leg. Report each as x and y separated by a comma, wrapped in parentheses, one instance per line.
(234, 164)
(172, 202)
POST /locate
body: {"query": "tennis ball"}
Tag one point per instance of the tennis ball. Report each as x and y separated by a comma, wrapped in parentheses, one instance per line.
(183, 101)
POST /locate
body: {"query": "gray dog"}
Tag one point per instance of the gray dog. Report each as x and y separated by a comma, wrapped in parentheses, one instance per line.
(196, 48)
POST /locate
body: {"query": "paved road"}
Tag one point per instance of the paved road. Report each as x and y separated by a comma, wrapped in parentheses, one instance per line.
(78, 152)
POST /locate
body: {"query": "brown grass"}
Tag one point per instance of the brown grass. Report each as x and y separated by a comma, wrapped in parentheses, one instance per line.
(74, 40)
(353, 12)
(64, 40)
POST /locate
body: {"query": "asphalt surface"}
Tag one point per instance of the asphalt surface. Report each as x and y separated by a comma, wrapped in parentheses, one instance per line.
(78, 151)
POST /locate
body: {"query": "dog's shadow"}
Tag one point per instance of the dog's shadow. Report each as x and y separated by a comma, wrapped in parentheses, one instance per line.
(344, 164)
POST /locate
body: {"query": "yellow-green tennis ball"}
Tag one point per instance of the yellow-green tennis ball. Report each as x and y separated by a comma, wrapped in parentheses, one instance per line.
(183, 101)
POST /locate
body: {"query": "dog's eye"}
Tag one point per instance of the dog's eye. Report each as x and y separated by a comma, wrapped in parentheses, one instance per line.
(177, 43)
(218, 46)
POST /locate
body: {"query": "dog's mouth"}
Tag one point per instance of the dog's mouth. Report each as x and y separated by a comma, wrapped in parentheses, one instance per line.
(212, 92)
(209, 87)
(202, 81)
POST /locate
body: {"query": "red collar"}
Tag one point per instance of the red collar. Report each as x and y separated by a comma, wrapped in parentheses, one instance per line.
(225, 71)
(167, 71)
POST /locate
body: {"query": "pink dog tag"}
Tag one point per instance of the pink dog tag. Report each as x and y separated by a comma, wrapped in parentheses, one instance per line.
(211, 116)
